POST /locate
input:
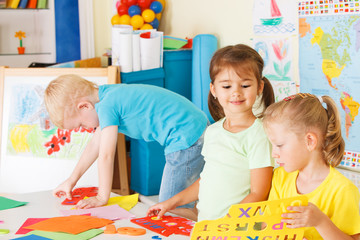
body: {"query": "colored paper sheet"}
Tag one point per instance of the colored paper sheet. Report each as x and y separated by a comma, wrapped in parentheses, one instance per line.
(79, 194)
(113, 212)
(66, 236)
(70, 224)
(32, 237)
(259, 220)
(6, 203)
(126, 202)
(28, 222)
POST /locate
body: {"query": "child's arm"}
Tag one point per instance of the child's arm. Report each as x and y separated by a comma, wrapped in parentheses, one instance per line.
(312, 216)
(87, 158)
(260, 180)
(107, 149)
(186, 196)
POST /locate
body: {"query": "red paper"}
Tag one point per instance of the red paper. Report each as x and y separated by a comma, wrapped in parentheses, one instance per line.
(167, 225)
(28, 222)
(79, 194)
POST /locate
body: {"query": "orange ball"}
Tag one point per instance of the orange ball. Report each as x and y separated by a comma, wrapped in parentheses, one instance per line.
(125, 19)
(148, 15)
(115, 20)
(137, 21)
(146, 26)
(158, 16)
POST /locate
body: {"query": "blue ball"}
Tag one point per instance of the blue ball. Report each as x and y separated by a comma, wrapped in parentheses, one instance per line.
(156, 7)
(134, 10)
(155, 23)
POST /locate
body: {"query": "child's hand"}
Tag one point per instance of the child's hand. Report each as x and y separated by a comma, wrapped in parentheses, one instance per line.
(303, 216)
(91, 202)
(160, 209)
(64, 189)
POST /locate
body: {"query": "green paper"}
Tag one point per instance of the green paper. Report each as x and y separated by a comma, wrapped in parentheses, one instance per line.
(174, 43)
(67, 236)
(6, 203)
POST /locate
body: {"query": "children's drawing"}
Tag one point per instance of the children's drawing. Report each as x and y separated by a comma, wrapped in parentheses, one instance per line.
(283, 89)
(274, 17)
(30, 131)
(277, 55)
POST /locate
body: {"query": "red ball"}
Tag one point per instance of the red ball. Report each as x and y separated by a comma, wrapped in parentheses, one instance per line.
(124, 2)
(122, 9)
(144, 3)
(132, 2)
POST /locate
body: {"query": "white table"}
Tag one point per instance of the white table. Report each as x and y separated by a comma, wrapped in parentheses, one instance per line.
(44, 205)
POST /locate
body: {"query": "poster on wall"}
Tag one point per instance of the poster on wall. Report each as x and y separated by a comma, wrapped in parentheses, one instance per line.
(329, 60)
(274, 17)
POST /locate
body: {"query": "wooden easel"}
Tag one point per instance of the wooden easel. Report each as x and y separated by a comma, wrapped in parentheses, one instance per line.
(110, 75)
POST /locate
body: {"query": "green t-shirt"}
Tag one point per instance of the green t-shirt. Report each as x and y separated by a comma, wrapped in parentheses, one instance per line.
(229, 157)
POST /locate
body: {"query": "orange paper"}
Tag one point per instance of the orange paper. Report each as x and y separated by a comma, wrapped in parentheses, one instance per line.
(74, 224)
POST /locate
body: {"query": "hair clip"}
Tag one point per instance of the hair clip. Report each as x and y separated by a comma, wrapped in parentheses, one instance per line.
(289, 98)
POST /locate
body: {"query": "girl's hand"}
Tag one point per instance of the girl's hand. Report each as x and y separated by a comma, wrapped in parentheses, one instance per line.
(91, 202)
(64, 189)
(303, 216)
(160, 209)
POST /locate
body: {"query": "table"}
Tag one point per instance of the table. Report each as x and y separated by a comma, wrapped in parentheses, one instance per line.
(44, 205)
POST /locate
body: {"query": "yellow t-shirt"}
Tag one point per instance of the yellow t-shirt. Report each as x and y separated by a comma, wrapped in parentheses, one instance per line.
(336, 196)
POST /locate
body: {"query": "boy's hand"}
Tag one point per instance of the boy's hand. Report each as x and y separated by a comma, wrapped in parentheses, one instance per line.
(91, 202)
(303, 216)
(160, 209)
(64, 190)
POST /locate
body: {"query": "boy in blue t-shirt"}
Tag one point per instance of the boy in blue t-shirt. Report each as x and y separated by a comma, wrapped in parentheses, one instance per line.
(138, 111)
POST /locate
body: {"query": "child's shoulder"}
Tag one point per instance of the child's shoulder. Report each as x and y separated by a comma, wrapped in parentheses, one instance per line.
(338, 178)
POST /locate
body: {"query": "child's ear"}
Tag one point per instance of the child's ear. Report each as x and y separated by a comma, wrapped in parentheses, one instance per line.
(212, 89)
(261, 87)
(85, 105)
(311, 141)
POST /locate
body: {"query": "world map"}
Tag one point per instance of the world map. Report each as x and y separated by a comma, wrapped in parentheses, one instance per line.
(329, 64)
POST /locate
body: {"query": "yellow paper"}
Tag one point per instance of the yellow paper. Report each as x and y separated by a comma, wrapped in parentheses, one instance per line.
(252, 221)
(126, 202)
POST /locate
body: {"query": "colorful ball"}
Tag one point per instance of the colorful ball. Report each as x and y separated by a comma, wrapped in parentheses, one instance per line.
(134, 10)
(115, 20)
(148, 15)
(156, 6)
(155, 23)
(122, 9)
(163, 3)
(146, 26)
(137, 21)
(144, 3)
(117, 4)
(125, 19)
(132, 2)
(158, 16)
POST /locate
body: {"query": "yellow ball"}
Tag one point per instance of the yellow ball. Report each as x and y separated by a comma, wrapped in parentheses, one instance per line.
(137, 21)
(125, 19)
(146, 26)
(158, 16)
(163, 4)
(148, 15)
(115, 19)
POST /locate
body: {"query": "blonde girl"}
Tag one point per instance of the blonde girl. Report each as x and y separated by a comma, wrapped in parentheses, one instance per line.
(305, 132)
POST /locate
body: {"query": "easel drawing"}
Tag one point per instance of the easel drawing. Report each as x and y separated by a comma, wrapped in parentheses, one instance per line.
(24, 125)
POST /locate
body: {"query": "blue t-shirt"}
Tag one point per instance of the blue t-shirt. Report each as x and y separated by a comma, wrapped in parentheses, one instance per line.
(151, 113)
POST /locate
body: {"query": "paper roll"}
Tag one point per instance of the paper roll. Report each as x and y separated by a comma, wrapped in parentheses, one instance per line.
(150, 49)
(136, 52)
(122, 47)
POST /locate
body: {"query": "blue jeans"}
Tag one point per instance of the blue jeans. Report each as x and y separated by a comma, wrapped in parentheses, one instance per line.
(182, 168)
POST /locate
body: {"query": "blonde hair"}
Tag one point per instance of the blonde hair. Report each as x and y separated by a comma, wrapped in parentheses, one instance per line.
(241, 58)
(63, 94)
(303, 112)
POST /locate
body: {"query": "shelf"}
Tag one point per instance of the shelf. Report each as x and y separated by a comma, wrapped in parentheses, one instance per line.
(14, 54)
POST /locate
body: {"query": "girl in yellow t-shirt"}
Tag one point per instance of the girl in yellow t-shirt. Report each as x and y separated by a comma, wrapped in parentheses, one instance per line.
(305, 132)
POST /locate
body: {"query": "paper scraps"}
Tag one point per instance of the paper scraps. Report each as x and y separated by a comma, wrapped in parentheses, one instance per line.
(74, 224)
(7, 203)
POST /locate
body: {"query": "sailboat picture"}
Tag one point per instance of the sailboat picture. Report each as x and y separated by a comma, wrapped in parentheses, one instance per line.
(276, 17)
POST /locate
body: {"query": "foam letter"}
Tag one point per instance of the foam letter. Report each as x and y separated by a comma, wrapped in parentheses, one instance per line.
(244, 212)
(278, 226)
